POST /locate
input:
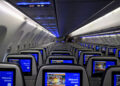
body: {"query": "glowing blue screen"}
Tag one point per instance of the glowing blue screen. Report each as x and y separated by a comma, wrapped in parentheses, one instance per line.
(62, 79)
(62, 61)
(101, 66)
(6, 78)
(25, 64)
(116, 80)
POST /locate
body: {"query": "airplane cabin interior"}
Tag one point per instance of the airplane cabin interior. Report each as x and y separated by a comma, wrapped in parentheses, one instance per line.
(59, 42)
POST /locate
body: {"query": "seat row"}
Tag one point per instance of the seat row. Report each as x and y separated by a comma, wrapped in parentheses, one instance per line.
(92, 65)
(56, 75)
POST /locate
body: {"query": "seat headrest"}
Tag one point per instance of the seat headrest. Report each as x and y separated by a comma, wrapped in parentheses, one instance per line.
(25, 62)
(85, 55)
(97, 65)
(66, 53)
(72, 74)
(111, 77)
(11, 75)
(37, 56)
(61, 60)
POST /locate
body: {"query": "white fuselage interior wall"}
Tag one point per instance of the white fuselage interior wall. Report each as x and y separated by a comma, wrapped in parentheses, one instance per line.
(19, 31)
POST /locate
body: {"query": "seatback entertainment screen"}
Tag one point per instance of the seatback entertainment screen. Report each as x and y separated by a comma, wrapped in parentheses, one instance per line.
(87, 56)
(7, 78)
(97, 48)
(79, 52)
(62, 79)
(62, 61)
(119, 53)
(35, 55)
(103, 50)
(41, 51)
(116, 79)
(59, 54)
(112, 51)
(25, 64)
(98, 67)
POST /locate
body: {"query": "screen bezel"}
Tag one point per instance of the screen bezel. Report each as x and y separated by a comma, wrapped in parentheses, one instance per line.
(14, 75)
(89, 57)
(30, 53)
(101, 74)
(61, 59)
(114, 73)
(24, 73)
(62, 71)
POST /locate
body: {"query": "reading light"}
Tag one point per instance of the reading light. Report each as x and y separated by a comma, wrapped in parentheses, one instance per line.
(107, 21)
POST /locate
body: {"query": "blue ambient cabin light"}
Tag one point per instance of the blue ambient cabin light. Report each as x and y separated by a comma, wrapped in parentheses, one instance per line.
(33, 3)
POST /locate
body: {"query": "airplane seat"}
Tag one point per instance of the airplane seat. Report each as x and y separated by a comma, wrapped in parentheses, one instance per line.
(49, 49)
(61, 47)
(11, 75)
(96, 67)
(111, 77)
(97, 48)
(74, 49)
(60, 52)
(93, 47)
(103, 50)
(28, 66)
(118, 53)
(61, 60)
(46, 50)
(42, 51)
(64, 75)
(36, 54)
(84, 56)
(77, 46)
(111, 51)
(88, 46)
(79, 51)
